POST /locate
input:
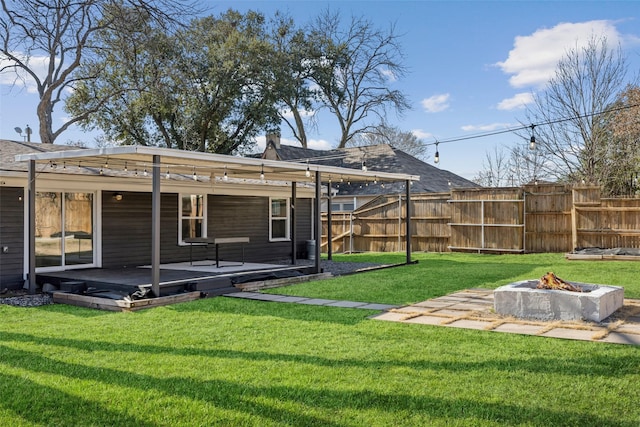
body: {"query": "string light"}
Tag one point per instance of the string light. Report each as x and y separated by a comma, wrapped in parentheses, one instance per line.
(225, 177)
(125, 167)
(532, 141)
(436, 158)
(145, 173)
(167, 175)
(195, 177)
(308, 172)
(364, 165)
(262, 172)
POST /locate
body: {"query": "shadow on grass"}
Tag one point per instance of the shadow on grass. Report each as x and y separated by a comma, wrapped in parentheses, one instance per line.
(39, 404)
(599, 364)
(246, 398)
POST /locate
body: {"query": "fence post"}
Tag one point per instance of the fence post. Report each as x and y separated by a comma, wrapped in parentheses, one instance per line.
(351, 232)
(399, 222)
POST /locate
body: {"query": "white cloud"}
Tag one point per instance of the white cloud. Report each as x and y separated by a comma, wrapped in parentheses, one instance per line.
(436, 103)
(304, 113)
(19, 78)
(420, 134)
(533, 59)
(391, 77)
(316, 144)
(518, 101)
(486, 128)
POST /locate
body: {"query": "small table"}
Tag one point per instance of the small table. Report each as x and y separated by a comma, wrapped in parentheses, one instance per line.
(217, 242)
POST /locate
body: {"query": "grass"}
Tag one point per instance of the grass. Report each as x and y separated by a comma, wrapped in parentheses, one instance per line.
(223, 361)
(438, 274)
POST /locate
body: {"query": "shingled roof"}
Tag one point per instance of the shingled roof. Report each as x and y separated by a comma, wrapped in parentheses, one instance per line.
(383, 158)
(9, 149)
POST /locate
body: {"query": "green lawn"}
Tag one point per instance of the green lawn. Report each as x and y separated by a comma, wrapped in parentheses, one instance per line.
(223, 361)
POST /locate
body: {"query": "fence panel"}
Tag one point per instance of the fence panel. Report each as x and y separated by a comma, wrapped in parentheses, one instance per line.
(548, 218)
(535, 218)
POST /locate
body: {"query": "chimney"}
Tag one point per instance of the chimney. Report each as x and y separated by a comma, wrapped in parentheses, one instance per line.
(273, 138)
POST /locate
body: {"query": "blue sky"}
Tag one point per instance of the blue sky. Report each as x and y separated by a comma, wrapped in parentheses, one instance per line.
(473, 65)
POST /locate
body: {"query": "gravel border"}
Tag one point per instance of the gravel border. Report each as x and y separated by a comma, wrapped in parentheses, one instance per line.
(35, 300)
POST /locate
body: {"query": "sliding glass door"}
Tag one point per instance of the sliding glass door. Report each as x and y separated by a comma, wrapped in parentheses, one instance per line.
(64, 229)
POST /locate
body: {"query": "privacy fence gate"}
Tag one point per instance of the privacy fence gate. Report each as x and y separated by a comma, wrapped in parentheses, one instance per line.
(533, 218)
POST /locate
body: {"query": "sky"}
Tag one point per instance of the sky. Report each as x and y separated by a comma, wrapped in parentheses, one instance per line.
(473, 66)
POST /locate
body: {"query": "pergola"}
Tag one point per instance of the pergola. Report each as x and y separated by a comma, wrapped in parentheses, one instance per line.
(214, 167)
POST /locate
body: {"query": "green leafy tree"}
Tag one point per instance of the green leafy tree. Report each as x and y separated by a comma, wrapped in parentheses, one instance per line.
(208, 87)
(47, 41)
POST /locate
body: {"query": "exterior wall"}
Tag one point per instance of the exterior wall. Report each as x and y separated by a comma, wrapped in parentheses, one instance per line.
(232, 216)
(12, 237)
(126, 229)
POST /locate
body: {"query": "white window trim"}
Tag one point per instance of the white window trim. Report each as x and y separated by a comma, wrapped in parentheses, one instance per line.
(286, 218)
(181, 241)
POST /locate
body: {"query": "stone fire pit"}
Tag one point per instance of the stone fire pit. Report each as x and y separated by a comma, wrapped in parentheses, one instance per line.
(522, 299)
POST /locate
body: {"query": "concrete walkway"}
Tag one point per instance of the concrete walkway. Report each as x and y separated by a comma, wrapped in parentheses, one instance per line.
(310, 301)
(473, 309)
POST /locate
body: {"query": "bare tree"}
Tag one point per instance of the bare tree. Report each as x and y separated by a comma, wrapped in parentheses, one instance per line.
(60, 34)
(622, 124)
(354, 66)
(495, 171)
(391, 135)
(571, 129)
(293, 69)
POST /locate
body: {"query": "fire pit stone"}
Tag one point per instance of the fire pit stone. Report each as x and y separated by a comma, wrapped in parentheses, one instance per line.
(523, 300)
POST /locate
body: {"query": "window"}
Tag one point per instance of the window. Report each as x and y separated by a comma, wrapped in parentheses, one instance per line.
(192, 221)
(64, 229)
(279, 219)
(342, 207)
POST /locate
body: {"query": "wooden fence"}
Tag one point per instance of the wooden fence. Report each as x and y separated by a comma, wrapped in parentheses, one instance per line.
(533, 218)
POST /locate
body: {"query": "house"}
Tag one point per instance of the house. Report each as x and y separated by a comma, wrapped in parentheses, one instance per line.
(65, 209)
(348, 196)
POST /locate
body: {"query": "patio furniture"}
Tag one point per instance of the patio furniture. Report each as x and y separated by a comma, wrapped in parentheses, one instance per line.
(206, 241)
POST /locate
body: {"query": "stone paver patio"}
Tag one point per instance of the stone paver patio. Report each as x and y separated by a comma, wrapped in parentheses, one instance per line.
(473, 309)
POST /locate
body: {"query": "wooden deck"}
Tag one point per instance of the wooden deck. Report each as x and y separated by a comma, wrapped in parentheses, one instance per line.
(174, 278)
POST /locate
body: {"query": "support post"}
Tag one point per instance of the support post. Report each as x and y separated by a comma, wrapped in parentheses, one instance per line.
(31, 223)
(317, 228)
(155, 227)
(294, 239)
(329, 225)
(408, 218)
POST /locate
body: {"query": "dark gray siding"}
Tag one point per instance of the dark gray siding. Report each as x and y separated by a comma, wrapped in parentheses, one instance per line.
(126, 229)
(234, 216)
(11, 236)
